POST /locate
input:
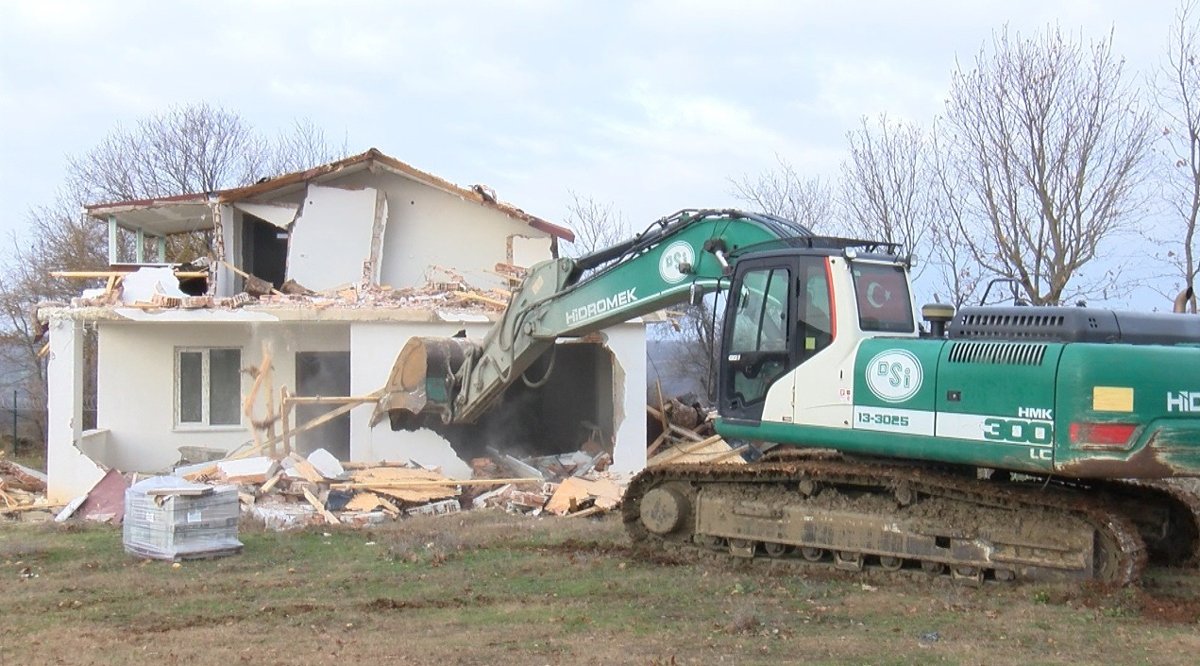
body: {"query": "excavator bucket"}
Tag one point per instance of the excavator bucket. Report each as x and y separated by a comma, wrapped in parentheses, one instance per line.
(423, 383)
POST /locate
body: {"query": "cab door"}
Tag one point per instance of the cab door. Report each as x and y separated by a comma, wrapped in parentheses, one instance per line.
(773, 322)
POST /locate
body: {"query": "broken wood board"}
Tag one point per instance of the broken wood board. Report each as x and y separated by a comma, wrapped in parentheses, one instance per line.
(713, 449)
(407, 485)
(306, 470)
(316, 504)
(574, 491)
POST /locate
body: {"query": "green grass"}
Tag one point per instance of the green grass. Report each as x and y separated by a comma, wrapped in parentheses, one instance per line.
(488, 588)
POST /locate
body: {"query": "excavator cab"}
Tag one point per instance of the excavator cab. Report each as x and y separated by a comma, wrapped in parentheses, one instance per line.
(779, 315)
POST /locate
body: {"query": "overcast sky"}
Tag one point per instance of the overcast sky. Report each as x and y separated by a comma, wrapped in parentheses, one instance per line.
(650, 105)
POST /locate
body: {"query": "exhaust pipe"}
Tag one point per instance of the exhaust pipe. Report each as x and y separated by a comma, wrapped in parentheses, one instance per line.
(423, 383)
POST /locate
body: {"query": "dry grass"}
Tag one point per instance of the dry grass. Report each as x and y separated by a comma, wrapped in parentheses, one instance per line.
(484, 587)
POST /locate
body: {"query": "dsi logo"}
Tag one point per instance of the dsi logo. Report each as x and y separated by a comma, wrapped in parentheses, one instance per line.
(894, 375)
(674, 258)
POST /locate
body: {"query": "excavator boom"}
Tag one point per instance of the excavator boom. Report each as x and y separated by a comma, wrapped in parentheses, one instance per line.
(455, 380)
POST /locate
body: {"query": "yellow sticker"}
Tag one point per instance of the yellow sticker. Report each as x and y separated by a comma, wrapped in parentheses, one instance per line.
(1112, 398)
(810, 344)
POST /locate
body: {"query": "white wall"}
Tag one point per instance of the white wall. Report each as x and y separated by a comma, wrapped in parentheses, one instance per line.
(331, 237)
(628, 345)
(136, 382)
(70, 473)
(427, 226)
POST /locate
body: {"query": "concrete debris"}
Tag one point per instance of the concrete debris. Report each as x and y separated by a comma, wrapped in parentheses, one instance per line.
(326, 464)
(294, 491)
(158, 288)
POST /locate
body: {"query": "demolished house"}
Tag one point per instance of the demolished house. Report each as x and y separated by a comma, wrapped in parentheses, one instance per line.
(314, 282)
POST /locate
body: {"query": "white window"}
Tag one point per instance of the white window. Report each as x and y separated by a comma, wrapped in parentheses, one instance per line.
(208, 386)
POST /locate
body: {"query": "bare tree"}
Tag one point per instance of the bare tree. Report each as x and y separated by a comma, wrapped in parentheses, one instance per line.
(1178, 97)
(887, 184)
(304, 146)
(957, 275)
(1051, 144)
(597, 225)
(194, 148)
(781, 191)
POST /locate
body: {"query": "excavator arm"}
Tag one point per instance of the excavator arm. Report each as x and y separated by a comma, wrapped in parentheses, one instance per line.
(456, 380)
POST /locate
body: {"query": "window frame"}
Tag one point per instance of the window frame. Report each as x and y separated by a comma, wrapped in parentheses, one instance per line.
(205, 424)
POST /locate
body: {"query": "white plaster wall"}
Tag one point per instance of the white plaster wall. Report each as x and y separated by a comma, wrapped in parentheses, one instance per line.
(628, 344)
(231, 237)
(427, 226)
(331, 237)
(374, 347)
(136, 382)
(70, 473)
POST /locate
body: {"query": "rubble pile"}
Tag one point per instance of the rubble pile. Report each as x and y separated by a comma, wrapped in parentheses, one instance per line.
(685, 434)
(21, 489)
(156, 288)
(295, 491)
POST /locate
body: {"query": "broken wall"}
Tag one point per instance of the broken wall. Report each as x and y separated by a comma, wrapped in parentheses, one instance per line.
(426, 226)
(136, 382)
(529, 414)
(331, 237)
(70, 473)
(374, 347)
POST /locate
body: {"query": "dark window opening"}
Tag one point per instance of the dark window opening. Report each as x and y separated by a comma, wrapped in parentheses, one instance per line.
(323, 374)
(264, 250)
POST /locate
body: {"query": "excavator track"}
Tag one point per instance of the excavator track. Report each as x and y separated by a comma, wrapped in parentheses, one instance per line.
(1167, 517)
(853, 515)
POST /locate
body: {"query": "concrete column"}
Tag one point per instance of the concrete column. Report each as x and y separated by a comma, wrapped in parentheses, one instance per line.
(140, 246)
(628, 345)
(70, 472)
(112, 239)
(161, 242)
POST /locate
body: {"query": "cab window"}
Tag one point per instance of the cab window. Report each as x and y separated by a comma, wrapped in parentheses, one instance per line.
(884, 305)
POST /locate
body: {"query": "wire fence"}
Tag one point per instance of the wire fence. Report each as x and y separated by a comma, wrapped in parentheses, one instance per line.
(22, 425)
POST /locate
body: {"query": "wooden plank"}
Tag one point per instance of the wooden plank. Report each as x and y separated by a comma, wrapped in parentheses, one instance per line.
(418, 483)
(654, 446)
(685, 433)
(331, 399)
(247, 276)
(307, 425)
(587, 512)
(316, 504)
(270, 484)
(471, 296)
(248, 403)
(32, 507)
(271, 416)
(285, 414)
(729, 454)
(307, 470)
(203, 473)
(87, 275)
(679, 451)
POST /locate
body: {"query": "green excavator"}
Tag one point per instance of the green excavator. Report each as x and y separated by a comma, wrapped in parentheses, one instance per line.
(992, 443)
